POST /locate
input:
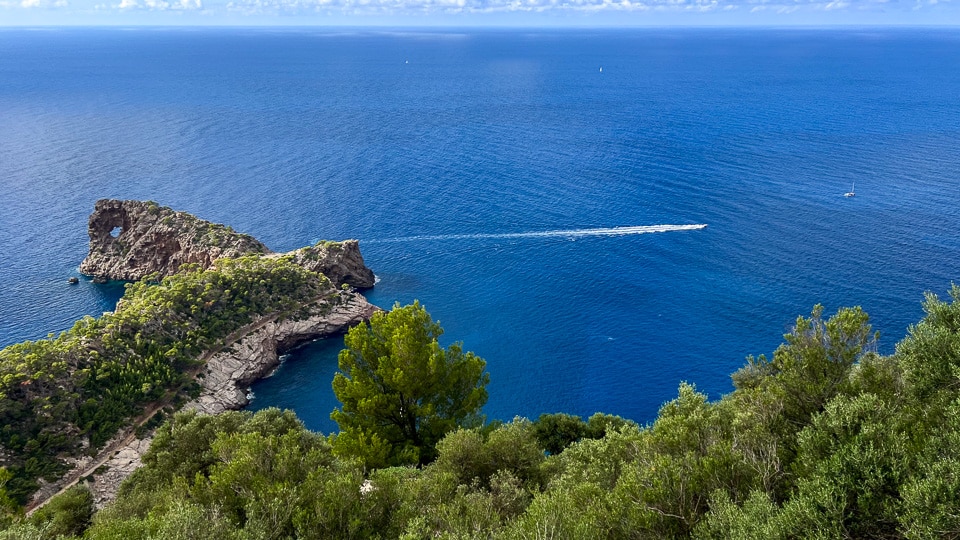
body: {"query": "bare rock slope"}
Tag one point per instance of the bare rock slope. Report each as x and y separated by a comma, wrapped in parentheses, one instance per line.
(229, 373)
(133, 239)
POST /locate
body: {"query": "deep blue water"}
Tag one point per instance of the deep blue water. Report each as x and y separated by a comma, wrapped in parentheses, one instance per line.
(300, 135)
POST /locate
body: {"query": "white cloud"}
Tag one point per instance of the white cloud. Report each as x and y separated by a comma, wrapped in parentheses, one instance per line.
(36, 4)
(160, 5)
(470, 6)
(750, 10)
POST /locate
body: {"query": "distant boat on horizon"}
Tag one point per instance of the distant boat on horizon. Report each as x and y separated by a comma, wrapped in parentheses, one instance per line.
(852, 192)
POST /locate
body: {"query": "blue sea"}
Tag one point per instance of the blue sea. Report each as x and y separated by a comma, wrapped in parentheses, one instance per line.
(447, 152)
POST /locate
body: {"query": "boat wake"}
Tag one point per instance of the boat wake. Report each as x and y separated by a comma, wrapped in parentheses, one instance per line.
(571, 233)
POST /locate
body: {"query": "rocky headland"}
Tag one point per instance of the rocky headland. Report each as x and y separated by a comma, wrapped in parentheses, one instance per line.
(228, 374)
(130, 240)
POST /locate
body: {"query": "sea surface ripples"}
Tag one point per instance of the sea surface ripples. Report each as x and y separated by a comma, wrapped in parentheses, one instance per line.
(491, 175)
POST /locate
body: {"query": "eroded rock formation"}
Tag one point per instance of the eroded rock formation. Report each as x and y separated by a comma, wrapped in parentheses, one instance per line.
(133, 239)
(229, 373)
(339, 261)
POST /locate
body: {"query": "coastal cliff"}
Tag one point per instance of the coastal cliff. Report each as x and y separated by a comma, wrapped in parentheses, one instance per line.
(228, 374)
(133, 239)
(81, 405)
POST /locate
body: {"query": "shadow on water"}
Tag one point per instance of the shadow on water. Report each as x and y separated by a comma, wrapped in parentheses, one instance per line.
(303, 381)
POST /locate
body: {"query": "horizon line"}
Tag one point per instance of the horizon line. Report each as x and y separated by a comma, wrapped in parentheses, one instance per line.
(496, 26)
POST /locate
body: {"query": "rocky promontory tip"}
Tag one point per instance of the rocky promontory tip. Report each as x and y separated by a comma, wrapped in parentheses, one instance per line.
(133, 239)
(339, 261)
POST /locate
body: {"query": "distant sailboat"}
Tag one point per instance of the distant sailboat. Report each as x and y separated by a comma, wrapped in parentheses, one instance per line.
(852, 192)
(601, 69)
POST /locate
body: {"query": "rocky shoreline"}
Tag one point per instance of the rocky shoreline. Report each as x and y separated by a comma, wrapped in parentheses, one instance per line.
(228, 375)
(131, 240)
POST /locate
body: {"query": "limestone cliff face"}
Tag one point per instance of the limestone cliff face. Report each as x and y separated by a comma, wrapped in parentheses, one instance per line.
(339, 261)
(229, 373)
(133, 239)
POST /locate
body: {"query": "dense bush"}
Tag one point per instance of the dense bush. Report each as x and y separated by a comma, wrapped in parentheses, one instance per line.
(83, 384)
(66, 514)
(827, 439)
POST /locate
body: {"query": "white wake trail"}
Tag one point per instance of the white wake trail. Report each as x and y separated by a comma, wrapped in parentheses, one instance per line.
(572, 233)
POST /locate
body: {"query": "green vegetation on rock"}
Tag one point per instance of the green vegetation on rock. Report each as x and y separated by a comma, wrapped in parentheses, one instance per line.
(826, 439)
(70, 393)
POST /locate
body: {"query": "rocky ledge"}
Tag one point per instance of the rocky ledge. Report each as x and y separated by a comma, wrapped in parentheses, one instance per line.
(229, 373)
(133, 239)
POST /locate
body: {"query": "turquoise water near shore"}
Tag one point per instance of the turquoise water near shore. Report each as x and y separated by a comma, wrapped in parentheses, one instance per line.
(469, 144)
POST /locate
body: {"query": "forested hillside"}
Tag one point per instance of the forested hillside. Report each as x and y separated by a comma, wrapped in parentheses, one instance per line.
(823, 439)
(66, 395)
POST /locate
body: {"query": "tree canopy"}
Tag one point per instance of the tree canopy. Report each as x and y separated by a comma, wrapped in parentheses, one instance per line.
(827, 439)
(401, 391)
(87, 382)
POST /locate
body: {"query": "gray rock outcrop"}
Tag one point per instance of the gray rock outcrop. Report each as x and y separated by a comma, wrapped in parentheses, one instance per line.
(133, 239)
(115, 470)
(339, 261)
(229, 373)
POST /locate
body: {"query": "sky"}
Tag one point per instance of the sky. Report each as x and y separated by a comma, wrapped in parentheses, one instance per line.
(466, 13)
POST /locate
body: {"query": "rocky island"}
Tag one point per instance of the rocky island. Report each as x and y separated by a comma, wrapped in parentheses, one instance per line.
(213, 311)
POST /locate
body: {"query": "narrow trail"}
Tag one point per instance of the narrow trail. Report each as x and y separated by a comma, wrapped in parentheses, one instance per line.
(130, 432)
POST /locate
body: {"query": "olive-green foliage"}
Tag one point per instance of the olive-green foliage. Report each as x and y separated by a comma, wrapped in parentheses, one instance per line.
(478, 484)
(89, 380)
(652, 482)
(930, 354)
(172, 516)
(558, 431)
(827, 440)
(756, 519)
(250, 473)
(254, 476)
(812, 365)
(7, 505)
(67, 514)
(401, 392)
(473, 458)
(662, 481)
(28, 531)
